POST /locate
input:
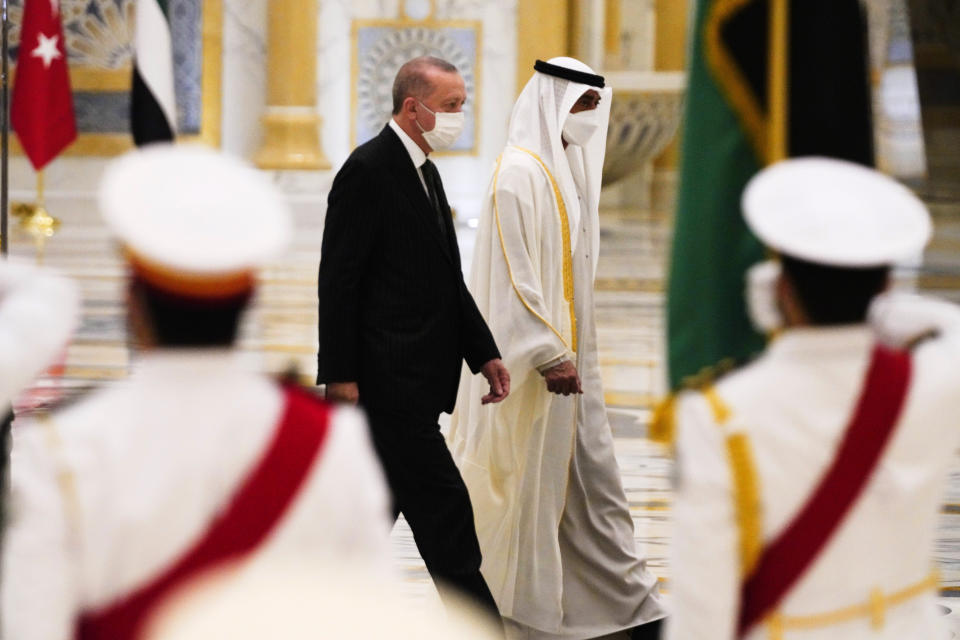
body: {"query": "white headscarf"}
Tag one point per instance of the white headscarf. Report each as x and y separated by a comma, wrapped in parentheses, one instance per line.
(536, 125)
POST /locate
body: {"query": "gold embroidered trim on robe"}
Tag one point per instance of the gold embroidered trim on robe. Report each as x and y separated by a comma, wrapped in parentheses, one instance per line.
(513, 281)
(568, 289)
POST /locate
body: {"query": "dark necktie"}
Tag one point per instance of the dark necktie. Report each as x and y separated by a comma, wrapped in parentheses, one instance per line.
(432, 177)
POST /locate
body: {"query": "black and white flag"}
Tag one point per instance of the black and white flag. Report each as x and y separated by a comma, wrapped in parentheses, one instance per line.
(153, 112)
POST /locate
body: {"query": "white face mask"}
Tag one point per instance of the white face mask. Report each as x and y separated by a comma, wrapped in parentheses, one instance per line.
(580, 127)
(447, 127)
(762, 296)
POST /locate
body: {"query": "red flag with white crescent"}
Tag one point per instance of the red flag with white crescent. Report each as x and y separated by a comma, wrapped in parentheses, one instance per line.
(41, 111)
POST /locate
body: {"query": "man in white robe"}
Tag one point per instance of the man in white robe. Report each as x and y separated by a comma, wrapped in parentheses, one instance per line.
(554, 525)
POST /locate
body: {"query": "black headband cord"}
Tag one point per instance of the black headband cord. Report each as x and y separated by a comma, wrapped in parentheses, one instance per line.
(569, 74)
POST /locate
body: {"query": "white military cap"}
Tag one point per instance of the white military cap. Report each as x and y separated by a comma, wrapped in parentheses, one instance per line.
(835, 213)
(192, 220)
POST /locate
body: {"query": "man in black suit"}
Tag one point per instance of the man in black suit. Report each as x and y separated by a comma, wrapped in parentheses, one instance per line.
(397, 321)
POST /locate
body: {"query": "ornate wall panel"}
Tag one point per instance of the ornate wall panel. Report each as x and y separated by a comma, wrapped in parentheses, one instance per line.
(379, 48)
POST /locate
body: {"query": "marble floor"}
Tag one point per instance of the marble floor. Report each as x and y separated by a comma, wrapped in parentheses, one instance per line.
(280, 334)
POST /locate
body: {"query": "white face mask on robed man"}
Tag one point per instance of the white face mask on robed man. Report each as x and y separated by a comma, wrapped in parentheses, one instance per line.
(579, 127)
(447, 128)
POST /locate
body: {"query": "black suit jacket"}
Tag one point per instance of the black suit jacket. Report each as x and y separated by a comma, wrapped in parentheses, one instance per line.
(395, 314)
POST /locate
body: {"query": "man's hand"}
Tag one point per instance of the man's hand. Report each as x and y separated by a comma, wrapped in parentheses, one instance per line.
(563, 378)
(499, 379)
(343, 392)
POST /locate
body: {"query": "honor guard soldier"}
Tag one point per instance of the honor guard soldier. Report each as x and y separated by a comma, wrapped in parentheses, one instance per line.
(810, 480)
(193, 462)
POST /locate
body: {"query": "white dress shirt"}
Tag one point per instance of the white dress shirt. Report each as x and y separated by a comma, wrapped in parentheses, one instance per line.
(417, 156)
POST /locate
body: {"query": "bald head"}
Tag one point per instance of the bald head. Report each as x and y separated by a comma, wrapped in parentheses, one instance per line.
(415, 79)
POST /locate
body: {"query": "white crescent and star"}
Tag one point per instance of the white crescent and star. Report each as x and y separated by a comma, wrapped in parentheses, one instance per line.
(47, 50)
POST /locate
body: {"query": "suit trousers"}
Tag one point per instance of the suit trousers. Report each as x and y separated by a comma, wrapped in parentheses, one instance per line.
(428, 490)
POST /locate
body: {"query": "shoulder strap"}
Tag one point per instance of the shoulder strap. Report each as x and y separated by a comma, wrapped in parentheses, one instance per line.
(785, 560)
(255, 509)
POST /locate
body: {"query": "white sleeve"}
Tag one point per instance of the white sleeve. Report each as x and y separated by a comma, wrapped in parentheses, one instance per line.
(533, 340)
(38, 310)
(39, 595)
(704, 583)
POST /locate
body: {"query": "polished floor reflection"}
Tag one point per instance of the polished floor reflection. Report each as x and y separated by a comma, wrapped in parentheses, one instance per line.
(280, 334)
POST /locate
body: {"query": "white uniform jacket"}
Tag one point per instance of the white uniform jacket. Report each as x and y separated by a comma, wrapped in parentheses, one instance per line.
(772, 428)
(109, 493)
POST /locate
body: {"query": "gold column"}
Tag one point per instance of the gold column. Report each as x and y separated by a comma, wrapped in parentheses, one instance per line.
(671, 36)
(576, 42)
(670, 55)
(291, 125)
(611, 42)
(542, 32)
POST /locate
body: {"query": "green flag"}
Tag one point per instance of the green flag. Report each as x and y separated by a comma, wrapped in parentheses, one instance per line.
(767, 79)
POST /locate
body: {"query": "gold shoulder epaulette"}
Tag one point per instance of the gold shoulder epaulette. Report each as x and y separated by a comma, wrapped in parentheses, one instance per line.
(709, 375)
(663, 423)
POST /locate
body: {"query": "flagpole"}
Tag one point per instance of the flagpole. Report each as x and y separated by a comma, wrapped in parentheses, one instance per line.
(6, 425)
(4, 129)
(39, 239)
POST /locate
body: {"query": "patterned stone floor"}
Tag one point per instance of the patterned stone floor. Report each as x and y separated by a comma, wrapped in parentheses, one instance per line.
(280, 333)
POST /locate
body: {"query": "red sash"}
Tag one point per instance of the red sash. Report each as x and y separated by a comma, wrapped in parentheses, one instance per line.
(785, 560)
(255, 509)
